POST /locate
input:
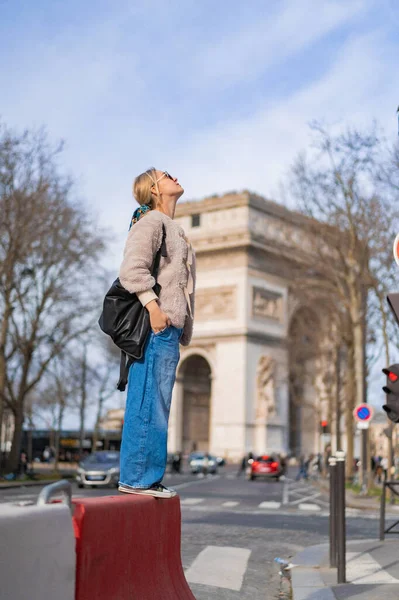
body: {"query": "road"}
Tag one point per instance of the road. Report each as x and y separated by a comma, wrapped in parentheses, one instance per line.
(232, 529)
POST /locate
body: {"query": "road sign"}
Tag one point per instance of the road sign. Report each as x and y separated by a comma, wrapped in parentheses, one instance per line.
(396, 249)
(363, 413)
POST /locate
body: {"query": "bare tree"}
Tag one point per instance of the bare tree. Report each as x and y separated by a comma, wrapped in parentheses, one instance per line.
(106, 378)
(49, 256)
(351, 228)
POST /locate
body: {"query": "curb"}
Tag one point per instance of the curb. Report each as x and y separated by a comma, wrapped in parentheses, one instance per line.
(306, 580)
(352, 503)
(19, 484)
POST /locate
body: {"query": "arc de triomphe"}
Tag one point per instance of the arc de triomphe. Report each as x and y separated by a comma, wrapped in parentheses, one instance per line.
(231, 395)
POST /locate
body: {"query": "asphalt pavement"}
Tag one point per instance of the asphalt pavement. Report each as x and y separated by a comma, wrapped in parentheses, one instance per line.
(233, 529)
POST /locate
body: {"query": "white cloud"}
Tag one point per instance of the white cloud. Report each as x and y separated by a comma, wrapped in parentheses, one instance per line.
(239, 56)
(255, 152)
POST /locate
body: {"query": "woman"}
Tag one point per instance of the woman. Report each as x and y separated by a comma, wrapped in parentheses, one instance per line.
(151, 380)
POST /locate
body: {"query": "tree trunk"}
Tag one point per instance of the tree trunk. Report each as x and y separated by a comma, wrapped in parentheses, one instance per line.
(338, 399)
(3, 339)
(58, 435)
(83, 400)
(97, 425)
(13, 459)
(350, 393)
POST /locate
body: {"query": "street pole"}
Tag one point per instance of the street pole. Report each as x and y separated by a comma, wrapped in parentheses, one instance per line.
(332, 461)
(341, 524)
(364, 460)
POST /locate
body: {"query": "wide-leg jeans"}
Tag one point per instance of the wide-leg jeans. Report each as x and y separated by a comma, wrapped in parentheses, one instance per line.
(145, 429)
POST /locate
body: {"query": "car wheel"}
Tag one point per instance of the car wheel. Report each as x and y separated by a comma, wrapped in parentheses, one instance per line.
(252, 477)
(80, 485)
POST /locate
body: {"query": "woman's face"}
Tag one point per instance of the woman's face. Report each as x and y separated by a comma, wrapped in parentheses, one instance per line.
(169, 185)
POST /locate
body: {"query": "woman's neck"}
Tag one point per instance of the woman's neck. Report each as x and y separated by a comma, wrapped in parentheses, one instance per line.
(168, 210)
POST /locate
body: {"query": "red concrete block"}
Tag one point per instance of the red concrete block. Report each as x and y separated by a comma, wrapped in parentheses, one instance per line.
(128, 548)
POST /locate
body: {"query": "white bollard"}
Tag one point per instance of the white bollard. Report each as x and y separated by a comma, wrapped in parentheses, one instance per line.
(37, 552)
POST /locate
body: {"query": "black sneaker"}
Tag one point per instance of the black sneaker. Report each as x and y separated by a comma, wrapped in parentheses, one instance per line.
(157, 491)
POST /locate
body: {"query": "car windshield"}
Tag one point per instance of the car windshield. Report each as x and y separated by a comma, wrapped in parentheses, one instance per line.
(198, 455)
(266, 459)
(102, 457)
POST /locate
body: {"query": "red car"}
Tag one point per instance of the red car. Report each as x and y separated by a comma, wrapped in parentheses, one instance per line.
(265, 466)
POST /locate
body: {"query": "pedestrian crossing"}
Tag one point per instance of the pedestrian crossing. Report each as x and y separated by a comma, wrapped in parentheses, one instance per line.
(362, 569)
(220, 566)
(226, 567)
(264, 505)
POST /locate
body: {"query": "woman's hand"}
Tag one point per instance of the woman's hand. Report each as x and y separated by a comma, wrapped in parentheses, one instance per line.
(158, 319)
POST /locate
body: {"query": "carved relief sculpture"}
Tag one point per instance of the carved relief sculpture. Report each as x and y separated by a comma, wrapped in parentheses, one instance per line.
(267, 304)
(215, 303)
(265, 388)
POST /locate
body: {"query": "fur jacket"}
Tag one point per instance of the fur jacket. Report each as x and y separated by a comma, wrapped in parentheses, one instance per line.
(143, 241)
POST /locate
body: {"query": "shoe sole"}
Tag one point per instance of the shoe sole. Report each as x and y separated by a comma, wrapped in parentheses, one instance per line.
(152, 493)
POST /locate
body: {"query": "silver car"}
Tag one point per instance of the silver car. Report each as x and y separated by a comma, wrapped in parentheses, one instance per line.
(201, 462)
(99, 468)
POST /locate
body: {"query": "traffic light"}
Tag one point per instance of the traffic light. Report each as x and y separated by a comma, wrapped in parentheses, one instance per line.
(324, 427)
(392, 391)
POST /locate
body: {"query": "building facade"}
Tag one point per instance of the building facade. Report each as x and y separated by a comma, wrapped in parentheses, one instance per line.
(232, 389)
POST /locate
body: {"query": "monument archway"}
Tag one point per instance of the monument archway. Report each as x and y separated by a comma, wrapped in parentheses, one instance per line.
(303, 403)
(195, 379)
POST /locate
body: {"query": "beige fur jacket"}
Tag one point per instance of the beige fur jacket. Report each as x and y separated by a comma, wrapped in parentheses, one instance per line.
(144, 239)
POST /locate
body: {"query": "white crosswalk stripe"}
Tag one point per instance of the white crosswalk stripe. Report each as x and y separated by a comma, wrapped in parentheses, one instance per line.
(270, 505)
(308, 506)
(191, 501)
(230, 504)
(362, 568)
(222, 567)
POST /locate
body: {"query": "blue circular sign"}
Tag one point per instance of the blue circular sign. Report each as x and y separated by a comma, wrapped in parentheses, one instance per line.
(363, 412)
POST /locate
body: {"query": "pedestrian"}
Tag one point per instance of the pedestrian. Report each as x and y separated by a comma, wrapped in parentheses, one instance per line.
(23, 463)
(243, 465)
(143, 456)
(176, 462)
(205, 464)
(283, 464)
(384, 464)
(303, 468)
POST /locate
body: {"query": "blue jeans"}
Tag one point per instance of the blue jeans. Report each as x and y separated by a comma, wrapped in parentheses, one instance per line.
(149, 395)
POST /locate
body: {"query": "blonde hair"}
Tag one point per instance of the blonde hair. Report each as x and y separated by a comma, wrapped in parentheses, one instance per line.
(142, 187)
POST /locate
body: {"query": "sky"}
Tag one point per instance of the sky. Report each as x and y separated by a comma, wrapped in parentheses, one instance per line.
(220, 94)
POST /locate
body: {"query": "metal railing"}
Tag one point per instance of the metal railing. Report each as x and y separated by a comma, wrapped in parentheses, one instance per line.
(391, 485)
(62, 487)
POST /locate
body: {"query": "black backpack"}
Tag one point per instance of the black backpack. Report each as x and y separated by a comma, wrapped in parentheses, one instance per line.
(126, 320)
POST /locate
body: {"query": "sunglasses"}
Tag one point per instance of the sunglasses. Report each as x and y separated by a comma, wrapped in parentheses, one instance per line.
(165, 174)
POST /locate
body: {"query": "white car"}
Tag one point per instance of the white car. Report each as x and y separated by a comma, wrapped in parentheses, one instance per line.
(201, 462)
(99, 469)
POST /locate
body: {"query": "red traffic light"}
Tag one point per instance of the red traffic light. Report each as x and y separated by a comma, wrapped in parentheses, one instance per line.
(392, 373)
(324, 423)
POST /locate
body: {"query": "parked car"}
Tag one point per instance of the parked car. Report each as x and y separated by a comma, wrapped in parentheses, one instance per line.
(201, 462)
(99, 468)
(267, 466)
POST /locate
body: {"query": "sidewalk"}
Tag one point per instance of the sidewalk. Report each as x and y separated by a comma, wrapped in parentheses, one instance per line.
(372, 572)
(354, 500)
(66, 470)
